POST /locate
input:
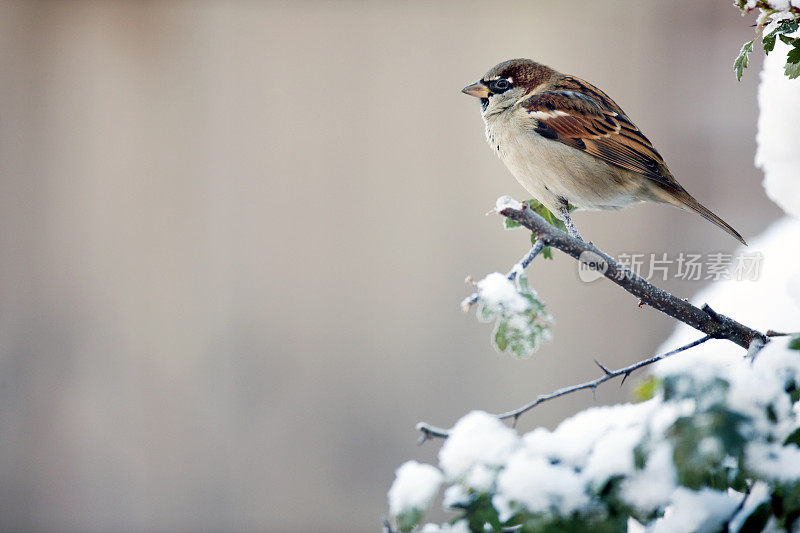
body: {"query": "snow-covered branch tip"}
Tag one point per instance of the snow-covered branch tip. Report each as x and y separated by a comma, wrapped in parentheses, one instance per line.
(512, 274)
(429, 432)
(706, 320)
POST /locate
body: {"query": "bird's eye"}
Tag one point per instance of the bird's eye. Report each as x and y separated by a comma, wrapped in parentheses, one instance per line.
(500, 86)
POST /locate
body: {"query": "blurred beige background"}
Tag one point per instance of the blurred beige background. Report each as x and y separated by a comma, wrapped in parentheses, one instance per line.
(233, 239)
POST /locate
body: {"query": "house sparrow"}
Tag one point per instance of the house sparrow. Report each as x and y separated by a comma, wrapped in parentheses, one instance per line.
(569, 144)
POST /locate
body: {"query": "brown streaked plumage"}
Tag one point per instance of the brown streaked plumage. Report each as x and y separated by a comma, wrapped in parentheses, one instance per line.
(568, 142)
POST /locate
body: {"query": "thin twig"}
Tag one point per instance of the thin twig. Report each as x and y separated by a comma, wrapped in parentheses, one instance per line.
(430, 432)
(705, 320)
(525, 261)
(607, 375)
(521, 265)
(773, 333)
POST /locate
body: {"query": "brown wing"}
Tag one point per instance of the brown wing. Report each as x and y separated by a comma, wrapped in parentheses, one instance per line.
(591, 122)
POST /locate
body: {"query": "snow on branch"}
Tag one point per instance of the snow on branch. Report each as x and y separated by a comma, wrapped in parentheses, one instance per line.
(713, 444)
(522, 323)
(429, 432)
(717, 444)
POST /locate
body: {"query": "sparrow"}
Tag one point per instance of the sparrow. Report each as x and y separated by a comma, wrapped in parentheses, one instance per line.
(570, 145)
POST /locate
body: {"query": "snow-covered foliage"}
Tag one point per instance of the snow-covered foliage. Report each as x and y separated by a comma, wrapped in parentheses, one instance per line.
(777, 23)
(414, 488)
(499, 293)
(713, 445)
(522, 323)
(681, 461)
(776, 5)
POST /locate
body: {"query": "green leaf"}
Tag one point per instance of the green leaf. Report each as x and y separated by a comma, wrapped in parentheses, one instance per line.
(793, 56)
(794, 393)
(699, 465)
(784, 27)
(782, 31)
(788, 26)
(510, 224)
(793, 438)
(537, 207)
(792, 68)
(794, 343)
(484, 313)
(769, 42)
(500, 332)
(742, 60)
(646, 389)
(519, 330)
(481, 512)
(409, 520)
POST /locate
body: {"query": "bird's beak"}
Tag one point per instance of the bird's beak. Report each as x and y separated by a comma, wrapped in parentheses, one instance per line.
(477, 89)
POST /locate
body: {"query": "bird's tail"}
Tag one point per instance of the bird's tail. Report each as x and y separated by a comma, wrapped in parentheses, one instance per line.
(686, 201)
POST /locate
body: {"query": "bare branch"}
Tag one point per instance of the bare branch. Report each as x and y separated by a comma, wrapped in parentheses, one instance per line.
(430, 432)
(706, 320)
(607, 375)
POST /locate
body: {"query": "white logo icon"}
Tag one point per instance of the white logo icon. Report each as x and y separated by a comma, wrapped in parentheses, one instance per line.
(591, 267)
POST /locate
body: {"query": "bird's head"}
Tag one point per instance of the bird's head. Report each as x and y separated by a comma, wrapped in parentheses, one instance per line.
(506, 83)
